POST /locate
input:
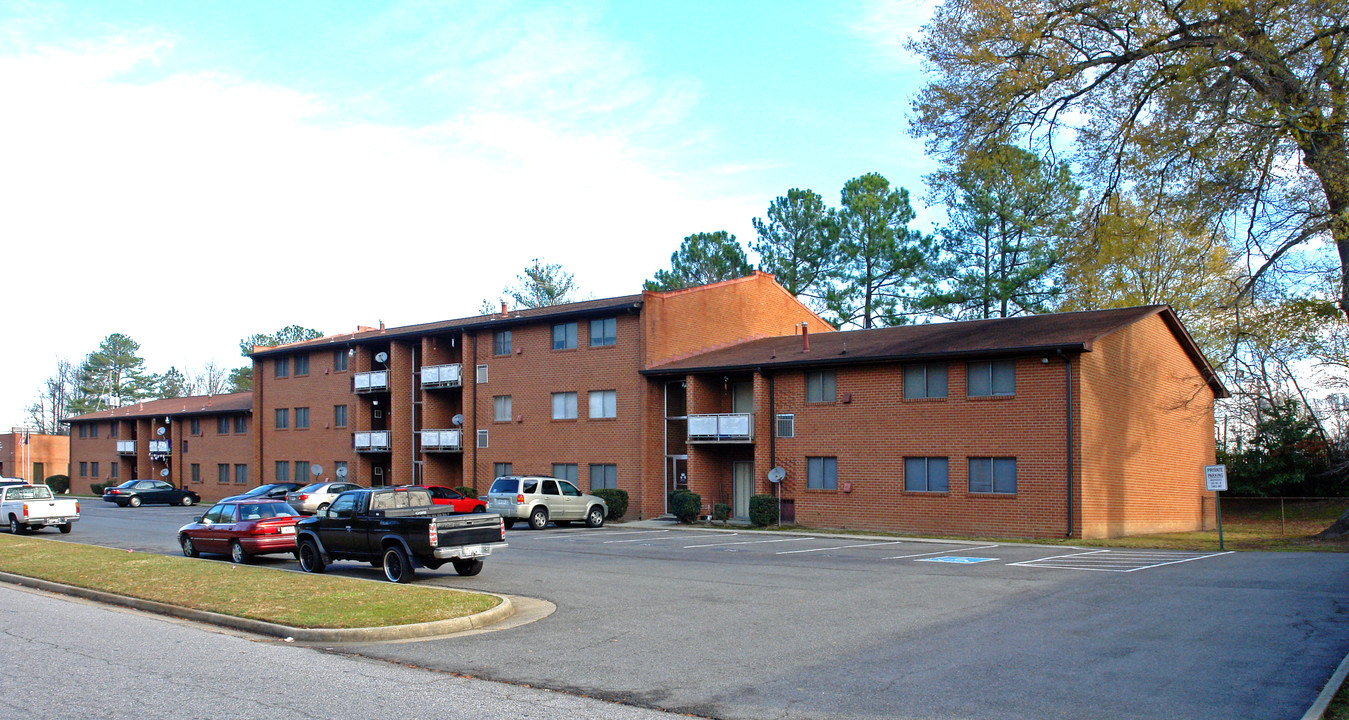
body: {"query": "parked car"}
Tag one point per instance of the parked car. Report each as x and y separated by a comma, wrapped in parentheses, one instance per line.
(270, 491)
(441, 495)
(540, 499)
(317, 496)
(138, 492)
(241, 529)
(12, 481)
(397, 528)
(32, 507)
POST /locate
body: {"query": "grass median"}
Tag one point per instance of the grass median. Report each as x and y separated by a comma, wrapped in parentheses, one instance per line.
(287, 598)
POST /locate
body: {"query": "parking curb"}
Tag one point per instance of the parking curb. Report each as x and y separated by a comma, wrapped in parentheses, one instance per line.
(476, 621)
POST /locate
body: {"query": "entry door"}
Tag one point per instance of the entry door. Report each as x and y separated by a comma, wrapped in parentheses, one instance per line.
(676, 476)
(743, 474)
(742, 397)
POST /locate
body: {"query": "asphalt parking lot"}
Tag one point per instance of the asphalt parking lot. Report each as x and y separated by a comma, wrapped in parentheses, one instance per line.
(744, 625)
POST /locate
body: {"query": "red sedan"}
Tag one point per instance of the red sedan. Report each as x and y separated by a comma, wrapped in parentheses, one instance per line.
(241, 529)
(441, 495)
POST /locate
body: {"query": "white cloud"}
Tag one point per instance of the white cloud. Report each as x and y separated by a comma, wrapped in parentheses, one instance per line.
(886, 25)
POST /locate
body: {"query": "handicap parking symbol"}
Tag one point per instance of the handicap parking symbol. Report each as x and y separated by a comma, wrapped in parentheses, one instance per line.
(956, 559)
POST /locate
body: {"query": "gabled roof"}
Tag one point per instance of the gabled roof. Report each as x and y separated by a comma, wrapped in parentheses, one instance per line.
(1073, 332)
(172, 407)
(514, 317)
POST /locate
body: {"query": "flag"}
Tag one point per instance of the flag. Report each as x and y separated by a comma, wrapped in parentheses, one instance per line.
(25, 437)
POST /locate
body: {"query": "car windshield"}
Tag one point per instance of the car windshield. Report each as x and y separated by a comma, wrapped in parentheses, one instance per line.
(311, 487)
(40, 492)
(262, 511)
(258, 491)
(504, 485)
(128, 483)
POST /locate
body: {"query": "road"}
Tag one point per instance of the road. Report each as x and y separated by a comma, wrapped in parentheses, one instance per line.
(752, 626)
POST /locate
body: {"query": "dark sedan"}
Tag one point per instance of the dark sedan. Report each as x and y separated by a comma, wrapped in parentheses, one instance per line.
(139, 492)
(241, 529)
(270, 491)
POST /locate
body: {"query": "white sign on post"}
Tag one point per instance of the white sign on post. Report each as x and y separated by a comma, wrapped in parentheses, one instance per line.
(1215, 478)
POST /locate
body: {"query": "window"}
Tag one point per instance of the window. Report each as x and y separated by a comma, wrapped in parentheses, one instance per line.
(112, 429)
(603, 404)
(222, 425)
(93, 430)
(281, 367)
(482, 374)
(603, 476)
(926, 474)
(786, 425)
(564, 406)
(196, 472)
(241, 424)
(501, 342)
(93, 469)
(184, 447)
(482, 438)
(997, 377)
(282, 473)
(112, 470)
(564, 336)
(502, 469)
(302, 364)
(339, 360)
(301, 418)
(501, 408)
(240, 474)
(340, 416)
(340, 469)
(222, 473)
(603, 332)
(302, 470)
(282, 418)
(84, 430)
(565, 471)
(822, 473)
(820, 386)
(84, 469)
(925, 381)
(195, 425)
(993, 475)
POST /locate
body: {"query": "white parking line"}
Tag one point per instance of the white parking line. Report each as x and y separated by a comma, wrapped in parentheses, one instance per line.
(841, 547)
(640, 539)
(1118, 561)
(746, 542)
(947, 551)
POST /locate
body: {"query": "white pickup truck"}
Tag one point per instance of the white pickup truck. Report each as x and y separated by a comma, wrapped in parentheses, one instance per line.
(29, 507)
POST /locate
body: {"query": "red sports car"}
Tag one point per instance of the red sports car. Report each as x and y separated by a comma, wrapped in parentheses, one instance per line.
(441, 495)
(241, 529)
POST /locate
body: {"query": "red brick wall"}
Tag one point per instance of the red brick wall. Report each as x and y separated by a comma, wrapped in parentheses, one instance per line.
(323, 443)
(1147, 433)
(208, 449)
(17, 459)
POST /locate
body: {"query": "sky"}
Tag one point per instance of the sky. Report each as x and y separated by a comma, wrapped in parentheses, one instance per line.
(190, 173)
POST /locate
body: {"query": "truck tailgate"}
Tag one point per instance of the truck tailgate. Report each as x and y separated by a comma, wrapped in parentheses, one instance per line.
(474, 529)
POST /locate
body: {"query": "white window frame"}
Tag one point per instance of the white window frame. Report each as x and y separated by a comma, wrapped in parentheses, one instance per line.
(603, 404)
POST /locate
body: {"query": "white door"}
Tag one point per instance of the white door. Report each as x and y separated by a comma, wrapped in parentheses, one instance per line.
(743, 474)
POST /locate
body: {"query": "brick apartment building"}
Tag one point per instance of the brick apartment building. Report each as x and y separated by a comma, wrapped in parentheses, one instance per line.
(1078, 424)
(202, 443)
(33, 456)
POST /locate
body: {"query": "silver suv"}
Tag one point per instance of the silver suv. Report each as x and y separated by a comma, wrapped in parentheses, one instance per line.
(540, 499)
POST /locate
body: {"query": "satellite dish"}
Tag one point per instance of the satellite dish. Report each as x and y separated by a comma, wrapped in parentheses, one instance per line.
(776, 474)
(381, 357)
(160, 431)
(342, 473)
(316, 470)
(164, 472)
(457, 420)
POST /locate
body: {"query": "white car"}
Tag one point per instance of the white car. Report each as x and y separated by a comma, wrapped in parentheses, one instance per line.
(540, 499)
(31, 507)
(317, 496)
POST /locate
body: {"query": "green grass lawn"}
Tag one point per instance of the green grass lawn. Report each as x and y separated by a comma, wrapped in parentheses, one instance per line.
(287, 598)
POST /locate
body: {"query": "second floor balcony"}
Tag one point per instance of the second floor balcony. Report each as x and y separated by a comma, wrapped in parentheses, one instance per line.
(721, 428)
(159, 447)
(373, 441)
(442, 441)
(370, 382)
(126, 447)
(441, 376)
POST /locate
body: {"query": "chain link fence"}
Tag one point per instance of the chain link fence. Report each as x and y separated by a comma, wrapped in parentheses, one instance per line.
(1288, 516)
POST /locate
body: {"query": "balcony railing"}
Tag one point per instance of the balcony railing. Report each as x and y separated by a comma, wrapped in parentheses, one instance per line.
(442, 441)
(441, 376)
(159, 446)
(368, 382)
(375, 441)
(721, 428)
(126, 447)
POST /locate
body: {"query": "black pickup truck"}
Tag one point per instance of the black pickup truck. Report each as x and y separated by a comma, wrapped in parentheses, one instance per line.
(397, 528)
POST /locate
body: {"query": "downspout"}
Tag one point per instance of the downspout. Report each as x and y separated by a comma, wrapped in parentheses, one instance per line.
(474, 404)
(1068, 414)
(772, 424)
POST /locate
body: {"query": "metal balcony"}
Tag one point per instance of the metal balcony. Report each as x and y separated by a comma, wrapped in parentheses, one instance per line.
(721, 428)
(126, 447)
(160, 447)
(370, 382)
(441, 376)
(375, 441)
(442, 441)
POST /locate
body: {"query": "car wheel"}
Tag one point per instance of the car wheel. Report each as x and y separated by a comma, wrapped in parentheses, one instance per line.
(507, 523)
(237, 553)
(311, 560)
(321, 508)
(468, 567)
(538, 519)
(187, 501)
(397, 568)
(64, 528)
(15, 527)
(135, 501)
(189, 548)
(595, 518)
(480, 508)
